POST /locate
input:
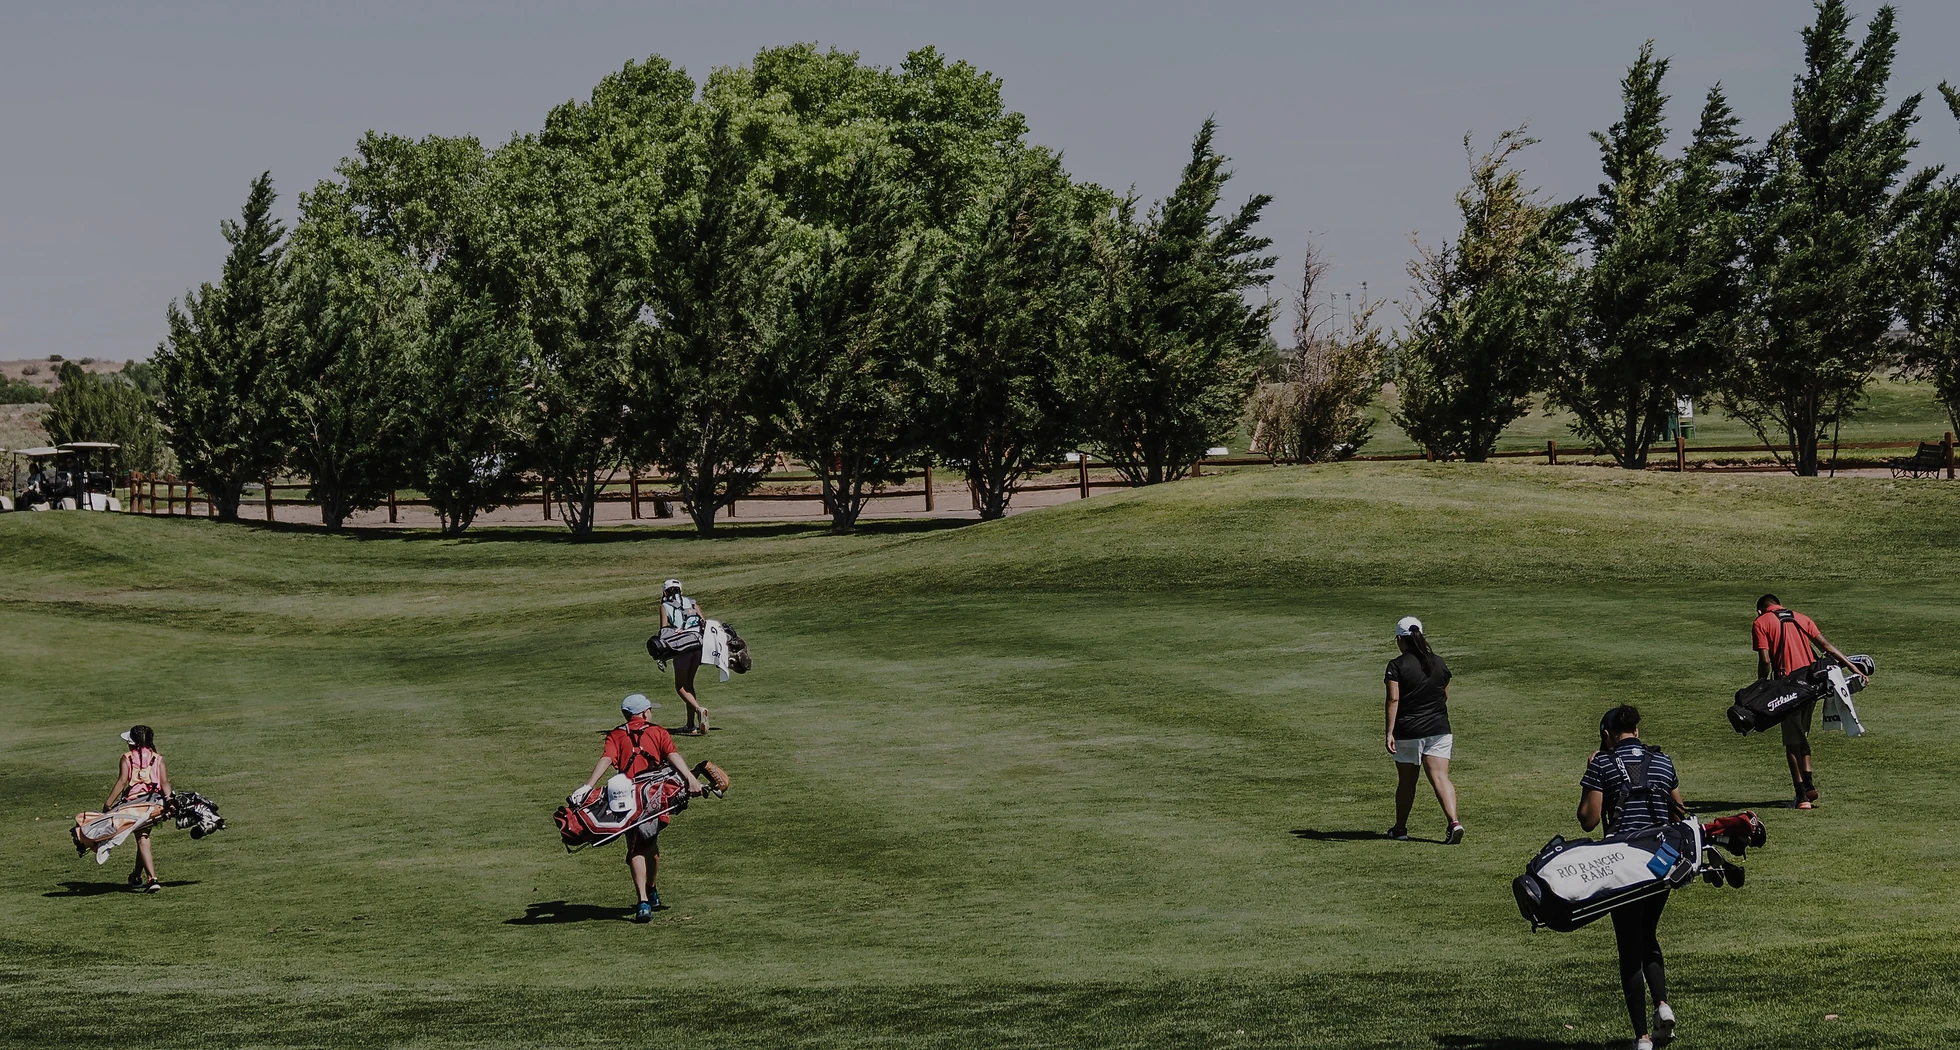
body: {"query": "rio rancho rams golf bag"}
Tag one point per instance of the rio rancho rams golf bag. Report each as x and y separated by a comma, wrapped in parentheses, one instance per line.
(103, 832)
(627, 803)
(1759, 706)
(1569, 884)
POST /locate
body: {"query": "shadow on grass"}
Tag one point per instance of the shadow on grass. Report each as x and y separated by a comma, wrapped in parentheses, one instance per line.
(1316, 835)
(552, 913)
(611, 533)
(1505, 1042)
(98, 889)
(1699, 805)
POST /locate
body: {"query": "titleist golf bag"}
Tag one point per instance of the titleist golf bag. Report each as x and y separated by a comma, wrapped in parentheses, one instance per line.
(1759, 706)
(1569, 884)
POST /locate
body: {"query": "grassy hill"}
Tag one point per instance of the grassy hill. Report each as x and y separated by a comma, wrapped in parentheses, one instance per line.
(1103, 775)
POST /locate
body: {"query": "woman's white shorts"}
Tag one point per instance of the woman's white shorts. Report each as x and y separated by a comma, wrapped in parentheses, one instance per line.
(1414, 749)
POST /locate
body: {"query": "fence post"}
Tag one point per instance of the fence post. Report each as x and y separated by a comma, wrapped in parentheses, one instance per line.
(391, 506)
(974, 491)
(928, 486)
(1551, 452)
(1946, 451)
(1680, 453)
(633, 487)
(1082, 472)
(1429, 455)
(544, 497)
(1198, 467)
(268, 499)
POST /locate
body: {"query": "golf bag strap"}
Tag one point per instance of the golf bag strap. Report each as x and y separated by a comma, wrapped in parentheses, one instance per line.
(633, 738)
(1785, 619)
(1613, 821)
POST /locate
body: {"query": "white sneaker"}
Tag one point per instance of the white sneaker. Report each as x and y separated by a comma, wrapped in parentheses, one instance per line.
(1643, 1043)
(1663, 1024)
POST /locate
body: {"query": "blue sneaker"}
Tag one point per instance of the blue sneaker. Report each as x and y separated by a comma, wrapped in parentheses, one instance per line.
(655, 902)
(644, 913)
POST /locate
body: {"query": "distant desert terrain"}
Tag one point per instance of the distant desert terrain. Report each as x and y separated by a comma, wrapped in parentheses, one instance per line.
(41, 371)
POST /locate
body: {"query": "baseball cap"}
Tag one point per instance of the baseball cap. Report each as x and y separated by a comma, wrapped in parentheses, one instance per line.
(126, 738)
(1406, 626)
(670, 585)
(636, 704)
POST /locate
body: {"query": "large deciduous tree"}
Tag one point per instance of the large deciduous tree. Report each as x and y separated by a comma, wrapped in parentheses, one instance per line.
(862, 344)
(1829, 258)
(722, 265)
(569, 241)
(459, 402)
(1012, 334)
(223, 390)
(1654, 311)
(1489, 310)
(1175, 343)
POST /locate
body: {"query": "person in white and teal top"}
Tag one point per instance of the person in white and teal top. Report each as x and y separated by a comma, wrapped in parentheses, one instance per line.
(681, 613)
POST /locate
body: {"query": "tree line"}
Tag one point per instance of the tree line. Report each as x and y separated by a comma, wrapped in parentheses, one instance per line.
(866, 268)
(854, 266)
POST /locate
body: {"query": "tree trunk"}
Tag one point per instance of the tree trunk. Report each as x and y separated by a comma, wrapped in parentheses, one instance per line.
(226, 498)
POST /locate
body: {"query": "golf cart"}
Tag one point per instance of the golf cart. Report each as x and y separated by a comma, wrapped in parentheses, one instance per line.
(74, 476)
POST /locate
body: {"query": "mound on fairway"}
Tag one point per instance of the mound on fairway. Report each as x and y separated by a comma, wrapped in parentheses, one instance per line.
(1103, 775)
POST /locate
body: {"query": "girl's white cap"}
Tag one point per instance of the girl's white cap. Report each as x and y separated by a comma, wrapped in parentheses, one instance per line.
(1406, 626)
(670, 585)
(126, 738)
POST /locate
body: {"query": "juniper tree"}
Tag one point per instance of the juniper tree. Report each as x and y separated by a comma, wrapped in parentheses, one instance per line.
(223, 394)
(352, 313)
(1654, 309)
(1173, 338)
(1490, 309)
(1828, 259)
(1011, 350)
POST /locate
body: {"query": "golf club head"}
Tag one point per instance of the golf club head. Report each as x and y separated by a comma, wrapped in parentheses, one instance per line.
(1734, 873)
(1712, 875)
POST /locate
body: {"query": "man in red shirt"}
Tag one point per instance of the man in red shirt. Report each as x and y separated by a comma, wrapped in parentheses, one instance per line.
(638, 747)
(1783, 640)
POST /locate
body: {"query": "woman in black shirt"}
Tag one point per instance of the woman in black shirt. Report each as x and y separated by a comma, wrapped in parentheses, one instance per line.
(1419, 727)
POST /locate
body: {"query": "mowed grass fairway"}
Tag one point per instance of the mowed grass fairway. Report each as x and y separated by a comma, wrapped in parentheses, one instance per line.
(1102, 775)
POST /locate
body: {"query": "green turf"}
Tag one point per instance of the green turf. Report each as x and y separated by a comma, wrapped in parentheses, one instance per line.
(1893, 410)
(1102, 775)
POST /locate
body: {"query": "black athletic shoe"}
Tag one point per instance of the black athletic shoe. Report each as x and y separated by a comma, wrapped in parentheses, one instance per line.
(1454, 835)
(1399, 834)
(153, 886)
(643, 913)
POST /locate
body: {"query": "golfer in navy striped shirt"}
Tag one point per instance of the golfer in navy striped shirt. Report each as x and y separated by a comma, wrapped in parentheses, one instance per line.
(1630, 786)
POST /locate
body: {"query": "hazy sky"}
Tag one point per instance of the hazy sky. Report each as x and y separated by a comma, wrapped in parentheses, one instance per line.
(130, 129)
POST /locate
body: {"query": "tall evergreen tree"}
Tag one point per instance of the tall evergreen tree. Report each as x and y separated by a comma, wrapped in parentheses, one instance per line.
(352, 313)
(1174, 340)
(1490, 310)
(1933, 297)
(1825, 232)
(223, 398)
(1655, 307)
(1012, 335)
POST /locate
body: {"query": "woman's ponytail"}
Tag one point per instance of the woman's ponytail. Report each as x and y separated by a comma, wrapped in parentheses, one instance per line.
(1420, 646)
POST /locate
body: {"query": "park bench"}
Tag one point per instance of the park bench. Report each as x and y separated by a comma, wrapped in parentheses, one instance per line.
(1929, 460)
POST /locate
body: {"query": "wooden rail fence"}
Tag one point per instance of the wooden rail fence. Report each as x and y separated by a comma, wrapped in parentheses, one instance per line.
(162, 494)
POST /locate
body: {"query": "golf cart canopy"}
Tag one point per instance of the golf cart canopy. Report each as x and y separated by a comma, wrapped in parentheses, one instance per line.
(37, 453)
(78, 446)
